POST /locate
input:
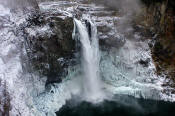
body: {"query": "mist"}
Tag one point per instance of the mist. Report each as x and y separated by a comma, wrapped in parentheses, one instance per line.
(127, 9)
(125, 5)
(18, 4)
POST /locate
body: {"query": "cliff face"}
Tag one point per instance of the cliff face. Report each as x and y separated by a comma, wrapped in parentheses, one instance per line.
(50, 46)
(159, 19)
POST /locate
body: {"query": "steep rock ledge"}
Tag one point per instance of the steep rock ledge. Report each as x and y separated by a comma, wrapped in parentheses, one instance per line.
(50, 45)
(158, 18)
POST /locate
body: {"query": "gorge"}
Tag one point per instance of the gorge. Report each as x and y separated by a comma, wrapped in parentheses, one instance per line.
(87, 57)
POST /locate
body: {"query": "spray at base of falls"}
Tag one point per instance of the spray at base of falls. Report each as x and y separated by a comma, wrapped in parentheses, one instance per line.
(92, 86)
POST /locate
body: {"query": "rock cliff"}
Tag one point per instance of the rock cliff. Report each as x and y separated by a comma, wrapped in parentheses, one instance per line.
(159, 21)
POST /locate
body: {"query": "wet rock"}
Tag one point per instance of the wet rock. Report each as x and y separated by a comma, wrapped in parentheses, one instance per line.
(50, 45)
(145, 62)
(88, 26)
(35, 19)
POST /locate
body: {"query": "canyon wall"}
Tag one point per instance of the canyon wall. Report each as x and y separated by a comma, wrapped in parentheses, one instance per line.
(158, 17)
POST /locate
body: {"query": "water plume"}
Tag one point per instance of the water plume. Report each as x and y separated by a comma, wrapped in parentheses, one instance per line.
(90, 61)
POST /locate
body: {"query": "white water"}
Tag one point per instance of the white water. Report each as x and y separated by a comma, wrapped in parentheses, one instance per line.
(92, 88)
(118, 69)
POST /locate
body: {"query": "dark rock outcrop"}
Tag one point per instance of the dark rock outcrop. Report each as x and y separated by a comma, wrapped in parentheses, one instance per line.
(5, 105)
(144, 62)
(50, 45)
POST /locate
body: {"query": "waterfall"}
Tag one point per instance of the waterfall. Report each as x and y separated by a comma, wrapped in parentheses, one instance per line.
(90, 59)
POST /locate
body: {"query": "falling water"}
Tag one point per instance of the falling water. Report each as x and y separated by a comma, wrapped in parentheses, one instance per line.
(90, 60)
